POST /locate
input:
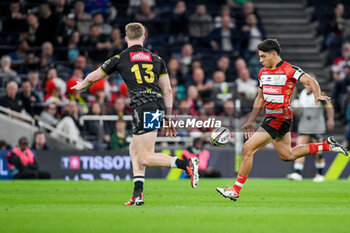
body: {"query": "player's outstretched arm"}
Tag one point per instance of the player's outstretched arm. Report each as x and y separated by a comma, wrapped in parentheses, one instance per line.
(257, 108)
(90, 79)
(164, 84)
(315, 87)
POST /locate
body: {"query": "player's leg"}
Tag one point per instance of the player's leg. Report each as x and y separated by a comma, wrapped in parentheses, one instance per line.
(283, 146)
(298, 165)
(319, 163)
(139, 177)
(144, 146)
(259, 139)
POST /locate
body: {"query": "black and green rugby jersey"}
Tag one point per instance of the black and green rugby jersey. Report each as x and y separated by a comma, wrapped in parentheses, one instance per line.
(140, 70)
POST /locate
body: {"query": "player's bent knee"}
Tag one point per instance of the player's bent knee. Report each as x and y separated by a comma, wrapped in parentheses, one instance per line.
(247, 150)
(287, 157)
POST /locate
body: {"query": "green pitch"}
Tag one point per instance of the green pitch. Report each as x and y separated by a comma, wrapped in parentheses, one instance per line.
(265, 205)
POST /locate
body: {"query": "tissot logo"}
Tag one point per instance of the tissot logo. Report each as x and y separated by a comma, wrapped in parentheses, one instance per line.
(91, 162)
(140, 56)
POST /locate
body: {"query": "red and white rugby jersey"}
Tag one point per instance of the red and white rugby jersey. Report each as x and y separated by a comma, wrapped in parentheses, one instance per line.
(278, 85)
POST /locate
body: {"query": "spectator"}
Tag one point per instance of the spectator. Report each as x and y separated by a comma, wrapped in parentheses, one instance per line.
(198, 80)
(228, 114)
(179, 19)
(83, 19)
(29, 98)
(336, 28)
(6, 70)
(174, 71)
(39, 142)
(15, 18)
(247, 9)
(11, 100)
(4, 146)
(193, 100)
(48, 25)
(33, 77)
(61, 8)
(185, 58)
(119, 139)
(117, 42)
(55, 88)
(145, 12)
(74, 95)
(223, 64)
(80, 63)
(47, 56)
(73, 51)
(247, 88)
(50, 114)
(96, 44)
(33, 25)
(222, 90)
(196, 150)
(208, 107)
(22, 163)
(120, 110)
(200, 23)
(225, 38)
(225, 11)
(98, 20)
(66, 30)
(95, 130)
(339, 67)
(20, 57)
(254, 33)
(240, 65)
(69, 124)
(254, 65)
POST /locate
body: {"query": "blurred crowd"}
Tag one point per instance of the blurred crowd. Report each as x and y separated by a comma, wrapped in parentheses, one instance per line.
(210, 50)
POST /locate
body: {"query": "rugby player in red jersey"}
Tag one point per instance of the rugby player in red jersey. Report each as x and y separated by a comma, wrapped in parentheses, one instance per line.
(277, 80)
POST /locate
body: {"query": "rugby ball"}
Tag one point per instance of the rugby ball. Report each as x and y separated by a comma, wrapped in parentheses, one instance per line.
(220, 136)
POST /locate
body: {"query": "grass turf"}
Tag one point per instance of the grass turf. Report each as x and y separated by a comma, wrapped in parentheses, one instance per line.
(265, 205)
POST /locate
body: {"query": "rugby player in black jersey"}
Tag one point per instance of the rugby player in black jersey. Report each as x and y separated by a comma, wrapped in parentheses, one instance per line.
(147, 81)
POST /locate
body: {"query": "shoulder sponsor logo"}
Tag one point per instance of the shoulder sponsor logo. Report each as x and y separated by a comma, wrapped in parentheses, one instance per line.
(140, 56)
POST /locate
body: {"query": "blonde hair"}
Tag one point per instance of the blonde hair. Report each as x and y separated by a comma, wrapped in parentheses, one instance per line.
(134, 31)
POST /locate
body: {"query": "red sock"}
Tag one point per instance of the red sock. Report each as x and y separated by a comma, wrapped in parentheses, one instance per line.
(239, 183)
(322, 146)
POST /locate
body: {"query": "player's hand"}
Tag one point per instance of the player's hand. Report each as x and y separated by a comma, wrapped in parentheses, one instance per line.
(169, 129)
(322, 98)
(248, 129)
(80, 86)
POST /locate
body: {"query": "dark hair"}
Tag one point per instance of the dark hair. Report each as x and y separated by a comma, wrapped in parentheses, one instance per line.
(270, 45)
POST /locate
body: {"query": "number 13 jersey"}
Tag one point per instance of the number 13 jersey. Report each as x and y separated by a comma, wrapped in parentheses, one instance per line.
(140, 70)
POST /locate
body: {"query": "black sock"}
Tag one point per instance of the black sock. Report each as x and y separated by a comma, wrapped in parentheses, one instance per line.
(297, 171)
(181, 163)
(138, 185)
(320, 171)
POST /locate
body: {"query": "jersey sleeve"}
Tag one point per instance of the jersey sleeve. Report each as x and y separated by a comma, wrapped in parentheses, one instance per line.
(163, 69)
(297, 72)
(259, 79)
(109, 66)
